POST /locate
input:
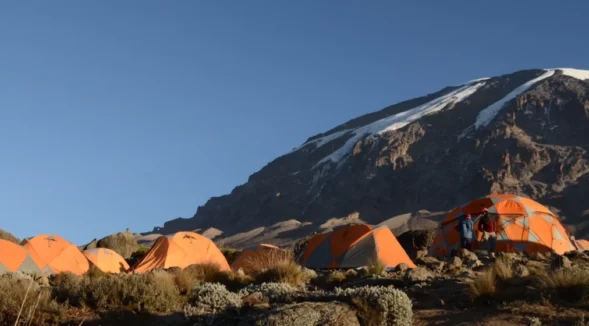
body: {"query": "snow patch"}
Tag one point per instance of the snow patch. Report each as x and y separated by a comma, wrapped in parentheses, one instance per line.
(575, 73)
(323, 140)
(400, 120)
(489, 113)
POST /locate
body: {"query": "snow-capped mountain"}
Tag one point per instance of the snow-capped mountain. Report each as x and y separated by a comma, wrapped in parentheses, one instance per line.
(525, 133)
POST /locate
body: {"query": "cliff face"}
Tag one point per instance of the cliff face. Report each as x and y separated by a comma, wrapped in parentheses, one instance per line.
(525, 133)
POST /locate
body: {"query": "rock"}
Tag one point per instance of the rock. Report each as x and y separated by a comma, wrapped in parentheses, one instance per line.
(467, 255)
(467, 273)
(4, 235)
(90, 245)
(520, 271)
(560, 262)
(471, 264)
(308, 313)
(418, 274)
(254, 299)
(240, 272)
(401, 267)
(431, 263)
(123, 243)
(455, 262)
(420, 254)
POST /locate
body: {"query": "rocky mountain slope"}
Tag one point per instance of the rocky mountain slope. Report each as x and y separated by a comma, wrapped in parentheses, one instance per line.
(525, 133)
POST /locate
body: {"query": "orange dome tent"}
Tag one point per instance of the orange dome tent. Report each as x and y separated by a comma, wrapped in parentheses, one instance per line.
(582, 244)
(54, 255)
(263, 256)
(523, 225)
(14, 258)
(106, 260)
(354, 246)
(181, 250)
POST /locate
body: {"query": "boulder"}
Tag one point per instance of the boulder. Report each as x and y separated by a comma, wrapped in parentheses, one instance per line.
(560, 262)
(90, 245)
(4, 235)
(431, 263)
(467, 255)
(418, 274)
(401, 267)
(455, 262)
(420, 254)
(123, 243)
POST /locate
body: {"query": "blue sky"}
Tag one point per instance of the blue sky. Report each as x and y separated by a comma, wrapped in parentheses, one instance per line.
(117, 114)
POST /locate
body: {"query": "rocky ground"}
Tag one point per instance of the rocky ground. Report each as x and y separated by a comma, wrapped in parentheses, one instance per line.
(470, 288)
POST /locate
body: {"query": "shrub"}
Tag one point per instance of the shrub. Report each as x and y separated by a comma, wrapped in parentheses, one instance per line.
(95, 272)
(483, 288)
(503, 267)
(68, 288)
(273, 291)
(25, 301)
(379, 305)
(569, 285)
(186, 278)
(210, 298)
(153, 293)
(234, 281)
(376, 267)
(287, 272)
(230, 254)
(138, 254)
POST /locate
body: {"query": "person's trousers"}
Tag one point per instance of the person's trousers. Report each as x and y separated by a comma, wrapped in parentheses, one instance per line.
(466, 243)
(490, 240)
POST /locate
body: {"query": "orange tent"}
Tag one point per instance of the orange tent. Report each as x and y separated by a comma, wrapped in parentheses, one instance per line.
(55, 255)
(106, 260)
(354, 246)
(181, 250)
(522, 225)
(15, 258)
(262, 256)
(582, 245)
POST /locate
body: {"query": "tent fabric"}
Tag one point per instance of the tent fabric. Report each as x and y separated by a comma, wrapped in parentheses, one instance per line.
(355, 246)
(15, 258)
(106, 260)
(263, 255)
(582, 244)
(181, 250)
(55, 255)
(523, 225)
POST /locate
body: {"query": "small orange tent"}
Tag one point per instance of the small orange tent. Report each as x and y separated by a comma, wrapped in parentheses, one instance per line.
(15, 258)
(106, 260)
(263, 256)
(55, 255)
(522, 225)
(181, 250)
(354, 246)
(582, 245)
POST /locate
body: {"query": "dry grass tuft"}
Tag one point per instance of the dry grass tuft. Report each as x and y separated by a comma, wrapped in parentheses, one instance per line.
(269, 259)
(367, 314)
(568, 285)
(376, 267)
(503, 268)
(285, 272)
(186, 278)
(23, 302)
(483, 289)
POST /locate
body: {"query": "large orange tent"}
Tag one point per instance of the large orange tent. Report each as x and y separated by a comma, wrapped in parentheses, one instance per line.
(181, 250)
(106, 260)
(263, 256)
(354, 246)
(55, 255)
(523, 225)
(14, 258)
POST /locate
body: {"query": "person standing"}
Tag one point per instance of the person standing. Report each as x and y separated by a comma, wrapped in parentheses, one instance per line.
(488, 227)
(466, 229)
